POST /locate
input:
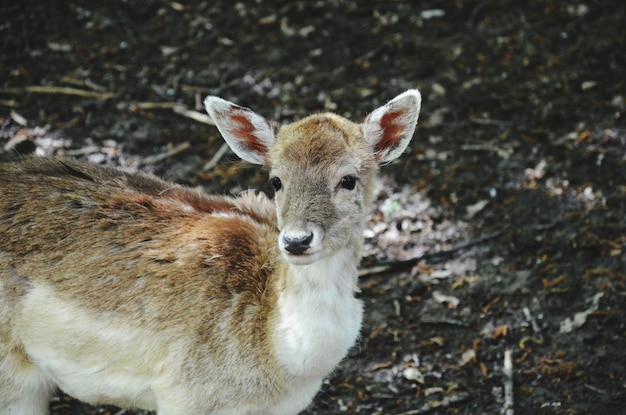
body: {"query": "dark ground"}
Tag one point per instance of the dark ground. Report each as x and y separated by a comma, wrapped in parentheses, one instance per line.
(513, 193)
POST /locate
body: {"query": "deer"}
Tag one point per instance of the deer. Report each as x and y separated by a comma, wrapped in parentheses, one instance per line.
(120, 288)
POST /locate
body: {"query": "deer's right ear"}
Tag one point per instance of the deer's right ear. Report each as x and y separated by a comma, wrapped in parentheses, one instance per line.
(248, 134)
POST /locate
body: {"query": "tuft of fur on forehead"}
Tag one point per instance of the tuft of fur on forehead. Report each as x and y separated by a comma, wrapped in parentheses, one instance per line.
(319, 139)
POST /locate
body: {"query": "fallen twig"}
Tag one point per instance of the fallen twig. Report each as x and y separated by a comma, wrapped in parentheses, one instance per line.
(216, 157)
(490, 121)
(64, 90)
(178, 108)
(83, 82)
(444, 403)
(194, 115)
(169, 153)
(442, 321)
(531, 319)
(507, 409)
(432, 257)
(9, 103)
(15, 116)
(155, 105)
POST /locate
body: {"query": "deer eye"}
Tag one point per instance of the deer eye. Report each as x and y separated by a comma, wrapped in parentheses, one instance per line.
(276, 183)
(348, 182)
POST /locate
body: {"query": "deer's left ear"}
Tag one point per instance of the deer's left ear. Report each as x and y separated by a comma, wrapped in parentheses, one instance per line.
(389, 129)
(247, 133)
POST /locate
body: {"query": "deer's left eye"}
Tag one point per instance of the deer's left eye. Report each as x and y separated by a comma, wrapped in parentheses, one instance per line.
(348, 182)
(276, 183)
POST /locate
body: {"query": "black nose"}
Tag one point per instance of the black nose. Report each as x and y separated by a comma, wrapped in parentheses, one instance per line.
(298, 245)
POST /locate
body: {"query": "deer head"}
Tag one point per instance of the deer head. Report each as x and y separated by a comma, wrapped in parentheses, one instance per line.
(323, 169)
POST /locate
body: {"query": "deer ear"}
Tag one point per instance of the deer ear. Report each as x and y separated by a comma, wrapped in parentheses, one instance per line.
(248, 134)
(389, 129)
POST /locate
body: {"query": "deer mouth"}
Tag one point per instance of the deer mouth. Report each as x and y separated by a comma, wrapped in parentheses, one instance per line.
(304, 258)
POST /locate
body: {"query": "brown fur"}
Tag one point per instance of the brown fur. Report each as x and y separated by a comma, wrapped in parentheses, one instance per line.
(135, 218)
(85, 229)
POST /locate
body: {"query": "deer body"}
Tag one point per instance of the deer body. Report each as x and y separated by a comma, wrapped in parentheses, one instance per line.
(127, 290)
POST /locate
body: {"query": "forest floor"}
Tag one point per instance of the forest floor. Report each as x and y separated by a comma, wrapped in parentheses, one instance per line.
(503, 227)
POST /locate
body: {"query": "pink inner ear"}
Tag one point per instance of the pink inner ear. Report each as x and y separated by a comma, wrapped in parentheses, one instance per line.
(392, 133)
(245, 131)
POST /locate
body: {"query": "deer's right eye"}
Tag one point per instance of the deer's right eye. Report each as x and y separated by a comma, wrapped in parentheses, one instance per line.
(348, 182)
(276, 183)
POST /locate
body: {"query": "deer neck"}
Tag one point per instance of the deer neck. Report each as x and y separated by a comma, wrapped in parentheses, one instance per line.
(318, 316)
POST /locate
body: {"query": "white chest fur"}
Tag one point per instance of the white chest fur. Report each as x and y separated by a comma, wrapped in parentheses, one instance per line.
(319, 318)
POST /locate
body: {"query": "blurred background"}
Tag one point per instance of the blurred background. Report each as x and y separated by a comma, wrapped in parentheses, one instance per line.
(503, 226)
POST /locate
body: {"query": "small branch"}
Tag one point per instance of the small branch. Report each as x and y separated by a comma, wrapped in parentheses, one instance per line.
(158, 157)
(442, 322)
(531, 319)
(194, 115)
(430, 257)
(507, 409)
(444, 403)
(548, 226)
(216, 157)
(154, 105)
(83, 82)
(18, 118)
(176, 107)
(63, 90)
(489, 121)
(11, 103)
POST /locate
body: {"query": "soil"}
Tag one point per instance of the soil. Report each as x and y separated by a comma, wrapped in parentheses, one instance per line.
(503, 227)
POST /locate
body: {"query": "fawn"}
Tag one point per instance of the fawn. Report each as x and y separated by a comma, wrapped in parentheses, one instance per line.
(127, 290)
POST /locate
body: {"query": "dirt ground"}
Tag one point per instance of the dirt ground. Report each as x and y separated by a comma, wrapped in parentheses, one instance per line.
(503, 228)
